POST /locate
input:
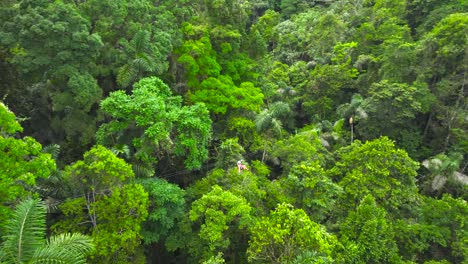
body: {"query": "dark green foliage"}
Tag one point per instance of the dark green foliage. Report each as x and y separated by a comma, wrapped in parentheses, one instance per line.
(166, 208)
(331, 105)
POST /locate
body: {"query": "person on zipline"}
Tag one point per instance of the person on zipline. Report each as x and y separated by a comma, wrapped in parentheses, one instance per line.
(241, 166)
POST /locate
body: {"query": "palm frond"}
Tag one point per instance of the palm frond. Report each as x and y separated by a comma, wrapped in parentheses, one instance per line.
(344, 110)
(280, 109)
(121, 149)
(142, 170)
(263, 120)
(356, 100)
(65, 248)
(25, 231)
(361, 113)
(143, 63)
(141, 41)
(277, 125)
(126, 75)
(52, 149)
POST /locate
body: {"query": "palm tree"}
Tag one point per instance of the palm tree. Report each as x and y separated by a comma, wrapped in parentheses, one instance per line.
(268, 121)
(24, 239)
(142, 60)
(443, 168)
(353, 111)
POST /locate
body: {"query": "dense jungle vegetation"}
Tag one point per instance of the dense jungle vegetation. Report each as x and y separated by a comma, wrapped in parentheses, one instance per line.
(121, 124)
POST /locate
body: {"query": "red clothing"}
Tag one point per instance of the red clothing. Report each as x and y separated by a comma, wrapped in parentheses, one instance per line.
(241, 167)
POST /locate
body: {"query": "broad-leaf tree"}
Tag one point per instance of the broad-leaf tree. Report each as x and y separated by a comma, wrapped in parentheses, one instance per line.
(56, 54)
(307, 186)
(378, 168)
(222, 219)
(21, 162)
(368, 235)
(286, 234)
(154, 124)
(166, 208)
(105, 206)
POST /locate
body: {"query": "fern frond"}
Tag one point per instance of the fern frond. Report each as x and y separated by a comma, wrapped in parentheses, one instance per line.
(25, 231)
(65, 248)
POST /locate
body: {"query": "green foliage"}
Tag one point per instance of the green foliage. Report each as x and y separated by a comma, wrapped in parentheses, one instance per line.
(155, 124)
(118, 232)
(311, 190)
(329, 81)
(392, 105)
(447, 218)
(218, 214)
(57, 26)
(368, 235)
(21, 162)
(24, 239)
(105, 207)
(166, 208)
(24, 231)
(423, 15)
(377, 168)
(56, 56)
(100, 169)
(8, 123)
(197, 55)
(252, 187)
(292, 86)
(225, 12)
(243, 129)
(144, 60)
(286, 234)
(221, 94)
(229, 152)
(308, 36)
(302, 147)
(444, 175)
(215, 260)
(75, 103)
(443, 68)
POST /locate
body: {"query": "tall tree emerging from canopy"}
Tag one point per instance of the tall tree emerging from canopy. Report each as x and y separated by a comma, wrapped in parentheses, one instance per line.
(25, 243)
(21, 162)
(155, 124)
